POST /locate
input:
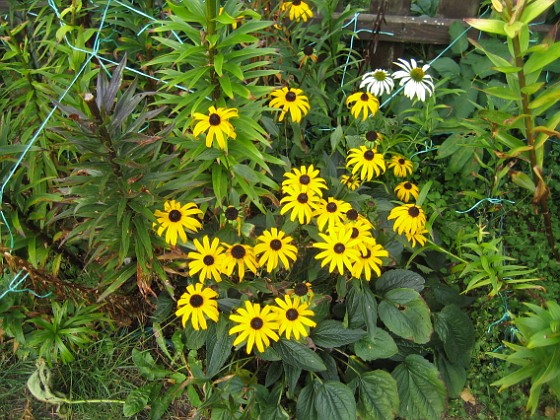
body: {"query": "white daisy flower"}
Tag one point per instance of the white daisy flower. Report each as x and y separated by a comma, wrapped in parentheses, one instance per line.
(377, 82)
(414, 79)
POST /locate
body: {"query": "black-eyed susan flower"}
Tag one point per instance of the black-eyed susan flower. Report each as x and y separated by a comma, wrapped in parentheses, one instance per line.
(414, 79)
(240, 256)
(369, 261)
(402, 167)
(303, 290)
(351, 181)
(367, 162)
(298, 10)
(330, 212)
(377, 82)
(274, 246)
(293, 317)
(255, 326)
(197, 304)
(307, 54)
(175, 219)
(405, 190)
(409, 219)
(364, 103)
(217, 125)
(305, 179)
(290, 100)
(361, 232)
(338, 250)
(374, 136)
(207, 259)
(300, 205)
(418, 237)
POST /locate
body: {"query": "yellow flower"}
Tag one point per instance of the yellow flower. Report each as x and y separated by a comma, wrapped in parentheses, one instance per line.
(330, 212)
(305, 179)
(175, 219)
(368, 160)
(290, 100)
(256, 326)
(299, 10)
(300, 206)
(207, 260)
(351, 181)
(401, 167)
(239, 255)
(218, 125)
(419, 237)
(406, 189)
(275, 246)
(338, 250)
(409, 219)
(197, 304)
(369, 260)
(293, 317)
(365, 103)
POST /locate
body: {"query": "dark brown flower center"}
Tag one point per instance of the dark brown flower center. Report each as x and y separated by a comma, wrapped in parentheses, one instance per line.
(339, 248)
(414, 211)
(292, 314)
(371, 135)
(238, 252)
(366, 255)
(214, 119)
(308, 50)
(296, 3)
(290, 96)
(174, 216)
(401, 161)
(257, 323)
(231, 213)
(208, 260)
(369, 154)
(364, 97)
(331, 207)
(355, 233)
(196, 301)
(304, 179)
(302, 198)
(276, 244)
(352, 214)
(301, 289)
(407, 186)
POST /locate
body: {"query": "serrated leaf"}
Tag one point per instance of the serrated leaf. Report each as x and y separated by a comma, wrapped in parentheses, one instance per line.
(379, 397)
(136, 401)
(361, 305)
(147, 366)
(298, 355)
(454, 375)
(305, 407)
(380, 346)
(331, 333)
(422, 393)
(218, 346)
(400, 278)
(454, 327)
(334, 400)
(405, 314)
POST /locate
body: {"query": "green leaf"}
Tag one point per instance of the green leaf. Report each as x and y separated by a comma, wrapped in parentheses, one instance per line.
(331, 333)
(380, 346)
(305, 407)
(406, 314)
(361, 305)
(447, 67)
(298, 355)
(502, 92)
(137, 400)
(521, 179)
(218, 63)
(334, 400)
(336, 136)
(493, 26)
(454, 375)
(422, 393)
(535, 9)
(399, 278)
(219, 183)
(218, 346)
(147, 366)
(379, 397)
(454, 327)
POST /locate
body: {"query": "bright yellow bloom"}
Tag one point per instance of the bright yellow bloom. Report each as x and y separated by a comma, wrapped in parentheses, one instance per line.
(351, 181)
(175, 219)
(256, 326)
(365, 103)
(293, 317)
(240, 256)
(299, 10)
(305, 179)
(338, 250)
(409, 219)
(406, 189)
(300, 206)
(369, 260)
(368, 161)
(330, 212)
(419, 237)
(290, 100)
(197, 304)
(218, 125)
(208, 259)
(402, 167)
(275, 246)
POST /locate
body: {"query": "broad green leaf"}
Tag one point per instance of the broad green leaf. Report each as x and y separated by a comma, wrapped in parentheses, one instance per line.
(406, 314)
(334, 400)
(451, 145)
(298, 355)
(447, 67)
(336, 136)
(523, 180)
(535, 9)
(218, 346)
(493, 26)
(218, 63)
(293, 374)
(540, 59)
(379, 398)
(305, 407)
(361, 305)
(502, 92)
(422, 393)
(331, 333)
(399, 278)
(454, 327)
(147, 366)
(454, 376)
(219, 183)
(380, 346)
(137, 400)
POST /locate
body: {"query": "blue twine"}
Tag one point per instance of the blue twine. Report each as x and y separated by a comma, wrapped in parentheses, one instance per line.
(14, 284)
(490, 200)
